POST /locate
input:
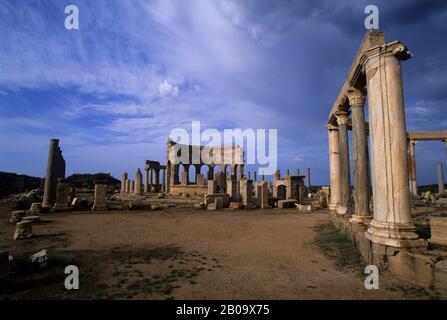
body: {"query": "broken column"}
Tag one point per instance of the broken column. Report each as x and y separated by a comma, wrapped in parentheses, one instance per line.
(391, 224)
(138, 181)
(440, 178)
(100, 197)
(62, 192)
(127, 190)
(247, 192)
(212, 187)
(361, 164)
(345, 184)
(124, 178)
(334, 165)
(24, 230)
(55, 170)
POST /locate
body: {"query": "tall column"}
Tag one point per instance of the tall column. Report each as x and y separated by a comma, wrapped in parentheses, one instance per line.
(123, 182)
(391, 225)
(334, 166)
(150, 179)
(255, 178)
(157, 180)
(361, 162)
(440, 178)
(146, 179)
(412, 167)
(49, 193)
(138, 178)
(308, 181)
(164, 181)
(345, 176)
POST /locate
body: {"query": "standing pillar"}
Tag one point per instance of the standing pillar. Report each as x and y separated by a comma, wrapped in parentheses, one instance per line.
(138, 179)
(361, 162)
(146, 179)
(345, 183)
(157, 180)
(412, 167)
(163, 186)
(334, 163)
(150, 180)
(127, 190)
(49, 193)
(391, 225)
(123, 182)
(255, 178)
(308, 181)
(441, 188)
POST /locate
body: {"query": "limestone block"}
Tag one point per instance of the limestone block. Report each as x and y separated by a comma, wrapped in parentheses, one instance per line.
(282, 204)
(39, 258)
(35, 209)
(23, 230)
(413, 267)
(32, 219)
(17, 216)
(438, 229)
(441, 276)
(210, 198)
(302, 207)
(212, 207)
(100, 198)
(62, 193)
(219, 203)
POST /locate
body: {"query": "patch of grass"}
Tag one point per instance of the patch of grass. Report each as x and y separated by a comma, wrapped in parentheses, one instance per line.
(338, 247)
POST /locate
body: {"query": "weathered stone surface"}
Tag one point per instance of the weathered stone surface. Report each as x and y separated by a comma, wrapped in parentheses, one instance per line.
(282, 204)
(219, 203)
(35, 210)
(23, 230)
(438, 229)
(39, 258)
(32, 219)
(100, 198)
(263, 195)
(210, 198)
(211, 207)
(62, 192)
(413, 267)
(212, 186)
(302, 207)
(17, 216)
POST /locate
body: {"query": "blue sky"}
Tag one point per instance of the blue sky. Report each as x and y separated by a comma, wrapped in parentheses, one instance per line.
(113, 90)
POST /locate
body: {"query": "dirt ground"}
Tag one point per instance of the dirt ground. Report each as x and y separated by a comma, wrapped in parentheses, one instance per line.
(192, 254)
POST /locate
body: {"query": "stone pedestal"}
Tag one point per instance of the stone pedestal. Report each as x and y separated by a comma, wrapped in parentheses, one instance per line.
(62, 192)
(263, 195)
(391, 225)
(100, 201)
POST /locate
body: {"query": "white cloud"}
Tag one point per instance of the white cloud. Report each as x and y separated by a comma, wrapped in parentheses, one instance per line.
(166, 89)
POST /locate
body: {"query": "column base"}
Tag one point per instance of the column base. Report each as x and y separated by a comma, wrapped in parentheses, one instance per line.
(333, 206)
(400, 235)
(99, 207)
(360, 219)
(342, 210)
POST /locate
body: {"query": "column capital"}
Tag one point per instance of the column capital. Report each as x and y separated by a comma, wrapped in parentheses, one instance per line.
(342, 117)
(356, 97)
(331, 127)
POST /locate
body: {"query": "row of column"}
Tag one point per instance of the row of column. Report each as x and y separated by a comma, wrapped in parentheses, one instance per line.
(136, 187)
(391, 224)
(412, 169)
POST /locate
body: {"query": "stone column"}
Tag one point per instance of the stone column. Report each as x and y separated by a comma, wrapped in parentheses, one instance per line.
(345, 176)
(157, 180)
(146, 180)
(255, 178)
(412, 167)
(164, 181)
(50, 178)
(334, 166)
(150, 180)
(361, 162)
(391, 225)
(308, 180)
(440, 178)
(132, 187)
(138, 179)
(127, 190)
(123, 182)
